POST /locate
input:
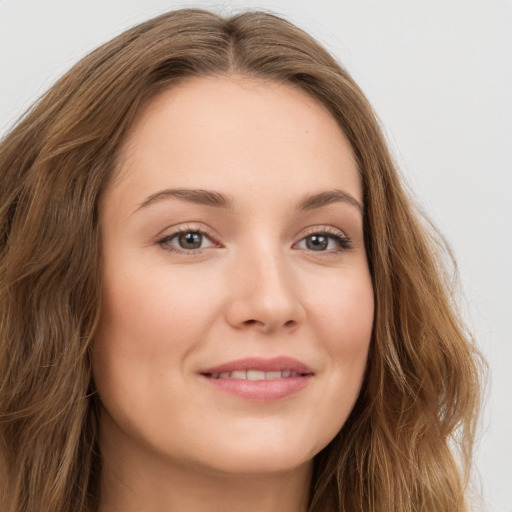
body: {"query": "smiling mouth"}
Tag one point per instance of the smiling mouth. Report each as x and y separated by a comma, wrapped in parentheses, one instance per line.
(260, 379)
(259, 368)
(255, 375)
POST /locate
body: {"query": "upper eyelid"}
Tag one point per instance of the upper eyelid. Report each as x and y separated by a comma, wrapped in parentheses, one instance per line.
(328, 230)
(169, 232)
(173, 231)
(163, 242)
(322, 229)
(343, 240)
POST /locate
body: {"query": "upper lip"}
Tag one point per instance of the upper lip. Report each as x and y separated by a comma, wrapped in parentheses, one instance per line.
(274, 364)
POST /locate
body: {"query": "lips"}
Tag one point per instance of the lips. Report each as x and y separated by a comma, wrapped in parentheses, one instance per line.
(260, 379)
(255, 375)
(276, 364)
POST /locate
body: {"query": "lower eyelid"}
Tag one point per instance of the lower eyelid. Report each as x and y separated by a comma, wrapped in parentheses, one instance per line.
(163, 241)
(341, 243)
(342, 240)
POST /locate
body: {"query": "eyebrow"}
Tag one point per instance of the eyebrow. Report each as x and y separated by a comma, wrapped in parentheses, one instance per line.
(196, 196)
(218, 200)
(313, 201)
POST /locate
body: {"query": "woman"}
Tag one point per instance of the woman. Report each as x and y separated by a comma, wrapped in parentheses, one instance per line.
(215, 292)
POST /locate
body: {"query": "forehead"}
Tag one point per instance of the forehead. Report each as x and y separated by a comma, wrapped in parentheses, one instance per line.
(236, 134)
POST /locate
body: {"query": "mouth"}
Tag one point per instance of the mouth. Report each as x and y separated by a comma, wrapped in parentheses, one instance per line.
(259, 379)
(255, 375)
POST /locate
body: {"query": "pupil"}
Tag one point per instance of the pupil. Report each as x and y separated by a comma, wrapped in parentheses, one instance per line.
(190, 240)
(317, 242)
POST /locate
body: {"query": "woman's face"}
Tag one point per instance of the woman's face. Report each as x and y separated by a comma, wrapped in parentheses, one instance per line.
(237, 300)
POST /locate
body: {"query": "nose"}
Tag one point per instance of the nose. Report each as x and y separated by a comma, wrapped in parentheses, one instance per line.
(264, 294)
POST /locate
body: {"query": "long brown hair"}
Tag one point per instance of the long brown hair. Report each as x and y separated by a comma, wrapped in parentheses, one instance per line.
(406, 445)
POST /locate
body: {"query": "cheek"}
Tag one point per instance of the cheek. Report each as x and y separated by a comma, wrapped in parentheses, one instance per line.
(151, 321)
(149, 324)
(344, 319)
(146, 311)
(345, 315)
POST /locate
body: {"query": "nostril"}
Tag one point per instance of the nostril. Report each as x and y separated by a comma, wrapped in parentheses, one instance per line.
(288, 324)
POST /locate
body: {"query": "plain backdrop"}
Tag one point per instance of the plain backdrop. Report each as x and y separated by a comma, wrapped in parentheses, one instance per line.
(439, 74)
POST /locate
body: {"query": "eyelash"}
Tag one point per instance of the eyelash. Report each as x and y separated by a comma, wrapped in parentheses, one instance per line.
(164, 241)
(343, 242)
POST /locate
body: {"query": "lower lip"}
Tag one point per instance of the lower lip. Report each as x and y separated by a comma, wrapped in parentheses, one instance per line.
(261, 390)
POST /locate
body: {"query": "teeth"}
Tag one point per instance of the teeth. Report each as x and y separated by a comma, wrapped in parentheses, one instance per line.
(254, 375)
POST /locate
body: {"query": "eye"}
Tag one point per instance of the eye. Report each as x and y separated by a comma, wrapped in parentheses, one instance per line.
(324, 241)
(189, 240)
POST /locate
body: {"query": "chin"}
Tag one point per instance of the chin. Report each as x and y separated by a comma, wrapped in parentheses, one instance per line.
(264, 452)
(259, 462)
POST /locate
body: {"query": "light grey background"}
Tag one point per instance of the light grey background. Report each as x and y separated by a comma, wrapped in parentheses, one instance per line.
(439, 74)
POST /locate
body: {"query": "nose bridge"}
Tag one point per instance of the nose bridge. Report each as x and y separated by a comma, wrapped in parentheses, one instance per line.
(271, 275)
(264, 292)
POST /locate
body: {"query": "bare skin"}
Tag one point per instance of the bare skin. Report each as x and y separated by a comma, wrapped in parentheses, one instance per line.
(141, 483)
(237, 301)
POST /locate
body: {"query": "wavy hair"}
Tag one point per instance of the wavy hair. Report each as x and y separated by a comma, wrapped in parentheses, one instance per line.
(407, 444)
